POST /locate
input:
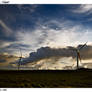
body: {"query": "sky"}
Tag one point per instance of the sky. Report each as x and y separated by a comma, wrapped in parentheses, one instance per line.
(45, 34)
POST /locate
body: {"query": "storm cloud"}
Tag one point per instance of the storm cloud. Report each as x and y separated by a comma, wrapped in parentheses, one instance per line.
(57, 53)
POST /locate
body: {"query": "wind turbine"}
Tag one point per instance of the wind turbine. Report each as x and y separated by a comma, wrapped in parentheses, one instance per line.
(20, 59)
(78, 54)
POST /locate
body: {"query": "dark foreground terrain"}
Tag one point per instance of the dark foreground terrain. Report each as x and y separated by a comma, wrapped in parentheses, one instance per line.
(46, 79)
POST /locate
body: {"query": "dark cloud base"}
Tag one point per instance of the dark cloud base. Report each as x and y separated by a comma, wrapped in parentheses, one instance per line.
(57, 53)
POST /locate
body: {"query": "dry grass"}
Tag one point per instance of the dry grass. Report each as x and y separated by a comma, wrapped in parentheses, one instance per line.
(46, 79)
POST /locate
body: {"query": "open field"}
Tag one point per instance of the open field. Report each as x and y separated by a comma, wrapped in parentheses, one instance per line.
(46, 79)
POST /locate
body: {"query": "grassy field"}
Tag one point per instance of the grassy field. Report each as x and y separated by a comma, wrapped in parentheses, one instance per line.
(46, 79)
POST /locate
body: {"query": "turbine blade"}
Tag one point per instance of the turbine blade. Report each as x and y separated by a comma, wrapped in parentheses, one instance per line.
(82, 46)
(20, 53)
(19, 63)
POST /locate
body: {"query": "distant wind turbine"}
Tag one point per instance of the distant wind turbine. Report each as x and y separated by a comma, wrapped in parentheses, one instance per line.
(20, 59)
(78, 54)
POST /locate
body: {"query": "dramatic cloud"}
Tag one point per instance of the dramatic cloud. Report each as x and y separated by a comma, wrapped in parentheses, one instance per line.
(56, 53)
(56, 58)
(57, 33)
(86, 53)
(46, 34)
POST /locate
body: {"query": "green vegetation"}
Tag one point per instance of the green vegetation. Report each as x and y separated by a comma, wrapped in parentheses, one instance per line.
(46, 79)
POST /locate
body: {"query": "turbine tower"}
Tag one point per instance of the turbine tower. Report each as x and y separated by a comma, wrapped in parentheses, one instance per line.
(20, 59)
(78, 54)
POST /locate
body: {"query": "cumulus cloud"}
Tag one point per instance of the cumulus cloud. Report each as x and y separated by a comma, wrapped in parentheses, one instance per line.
(55, 58)
(47, 52)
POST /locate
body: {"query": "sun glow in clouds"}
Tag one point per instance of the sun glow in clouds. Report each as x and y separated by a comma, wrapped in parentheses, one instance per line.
(32, 27)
